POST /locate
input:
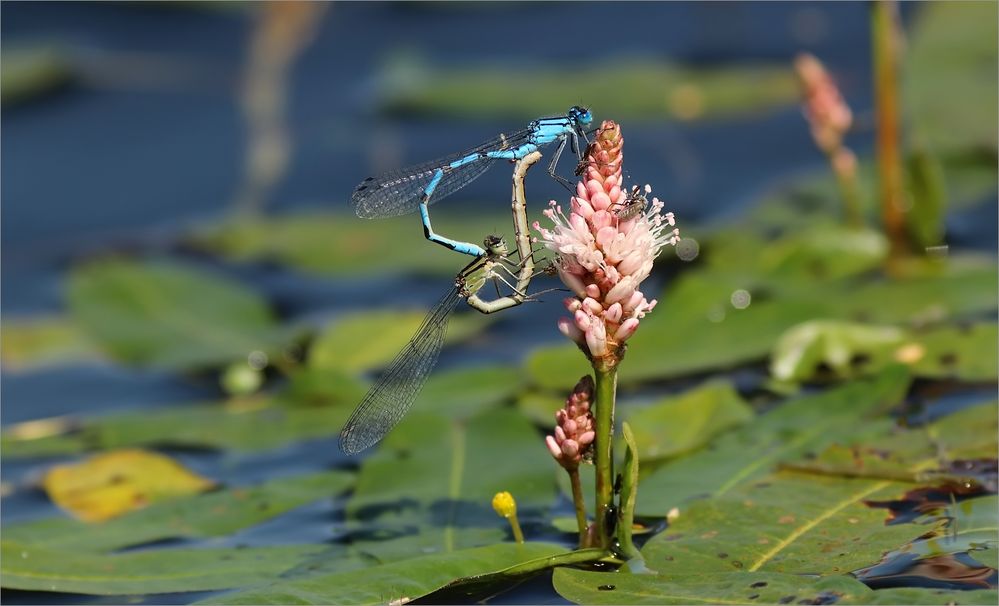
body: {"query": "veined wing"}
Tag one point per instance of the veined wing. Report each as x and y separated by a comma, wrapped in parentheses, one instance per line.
(396, 390)
(398, 192)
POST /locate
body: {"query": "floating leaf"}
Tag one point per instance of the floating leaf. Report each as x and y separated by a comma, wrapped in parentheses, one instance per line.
(243, 425)
(845, 348)
(30, 73)
(206, 515)
(317, 406)
(746, 454)
(883, 449)
(110, 484)
(436, 477)
(822, 252)
(398, 582)
(851, 349)
(338, 244)
(657, 89)
(922, 595)
(682, 423)
(950, 83)
(170, 315)
(585, 587)
(966, 353)
(705, 328)
(969, 433)
(367, 340)
(144, 572)
(43, 341)
(786, 522)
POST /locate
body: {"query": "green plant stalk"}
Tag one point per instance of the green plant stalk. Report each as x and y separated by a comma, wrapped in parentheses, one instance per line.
(605, 391)
(629, 494)
(580, 505)
(889, 161)
(518, 534)
(848, 190)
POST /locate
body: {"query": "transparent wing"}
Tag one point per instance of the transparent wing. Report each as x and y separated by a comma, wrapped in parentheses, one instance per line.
(393, 395)
(398, 192)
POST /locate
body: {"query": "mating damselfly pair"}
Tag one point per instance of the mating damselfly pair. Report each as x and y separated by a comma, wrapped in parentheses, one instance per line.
(415, 188)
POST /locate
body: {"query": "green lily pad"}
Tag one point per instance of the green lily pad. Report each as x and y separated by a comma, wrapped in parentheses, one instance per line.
(883, 449)
(33, 342)
(435, 477)
(851, 349)
(950, 76)
(705, 329)
(748, 453)
(821, 251)
(338, 243)
(169, 315)
(30, 73)
(786, 522)
(969, 433)
(260, 423)
(143, 572)
(656, 89)
(586, 587)
(804, 349)
(208, 515)
(367, 340)
(256, 424)
(924, 596)
(398, 582)
(967, 353)
(685, 422)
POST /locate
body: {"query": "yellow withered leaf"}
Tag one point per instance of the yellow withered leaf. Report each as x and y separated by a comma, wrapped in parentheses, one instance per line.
(113, 483)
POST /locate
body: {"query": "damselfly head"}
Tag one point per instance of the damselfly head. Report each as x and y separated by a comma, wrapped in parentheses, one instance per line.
(495, 246)
(581, 116)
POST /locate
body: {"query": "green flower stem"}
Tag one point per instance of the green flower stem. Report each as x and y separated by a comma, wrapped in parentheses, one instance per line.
(518, 534)
(885, 45)
(605, 391)
(577, 500)
(848, 190)
(629, 492)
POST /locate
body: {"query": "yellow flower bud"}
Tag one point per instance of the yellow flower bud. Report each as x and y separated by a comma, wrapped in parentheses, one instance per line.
(504, 504)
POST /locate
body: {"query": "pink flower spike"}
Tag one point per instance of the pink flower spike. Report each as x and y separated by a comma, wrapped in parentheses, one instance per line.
(574, 427)
(604, 257)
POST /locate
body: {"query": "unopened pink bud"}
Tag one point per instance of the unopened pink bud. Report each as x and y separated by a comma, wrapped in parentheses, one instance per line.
(627, 328)
(614, 313)
(553, 447)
